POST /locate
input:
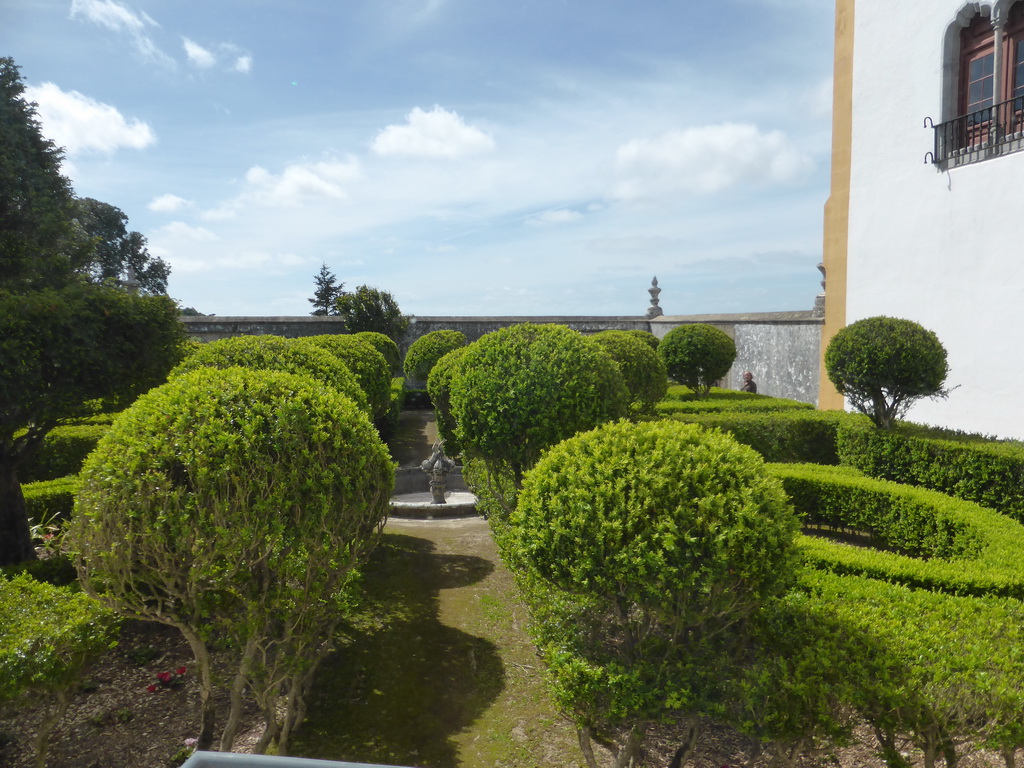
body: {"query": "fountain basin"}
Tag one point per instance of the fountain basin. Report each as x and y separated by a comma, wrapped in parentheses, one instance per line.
(419, 505)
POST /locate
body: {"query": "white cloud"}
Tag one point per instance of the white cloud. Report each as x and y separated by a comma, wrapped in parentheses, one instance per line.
(183, 231)
(81, 124)
(706, 159)
(243, 65)
(198, 55)
(438, 133)
(168, 203)
(555, 217)
(122, 20)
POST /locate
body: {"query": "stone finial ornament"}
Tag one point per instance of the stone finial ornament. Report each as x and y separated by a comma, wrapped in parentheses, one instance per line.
(819, 300)
(654, 310)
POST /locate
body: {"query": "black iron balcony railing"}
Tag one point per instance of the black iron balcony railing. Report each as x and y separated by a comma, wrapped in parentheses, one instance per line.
(989, 132)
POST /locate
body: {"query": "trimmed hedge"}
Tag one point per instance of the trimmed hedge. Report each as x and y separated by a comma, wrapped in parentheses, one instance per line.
(682, 399)
(969, 549)
(386, 347)
(964, 466)
(62, 452)
(643, 370)
(425, 352)
(795, 435)
(50, 501)
(388, 424)
(367, 364)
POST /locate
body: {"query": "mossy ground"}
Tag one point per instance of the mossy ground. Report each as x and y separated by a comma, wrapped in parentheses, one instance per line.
(439, 671)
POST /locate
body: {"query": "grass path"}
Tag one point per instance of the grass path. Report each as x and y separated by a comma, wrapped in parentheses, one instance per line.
(440, 673)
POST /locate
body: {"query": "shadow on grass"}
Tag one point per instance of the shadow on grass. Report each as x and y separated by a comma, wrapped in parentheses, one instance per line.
(401, 684)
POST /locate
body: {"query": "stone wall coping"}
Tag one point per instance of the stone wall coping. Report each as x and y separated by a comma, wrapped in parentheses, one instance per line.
(795, 316)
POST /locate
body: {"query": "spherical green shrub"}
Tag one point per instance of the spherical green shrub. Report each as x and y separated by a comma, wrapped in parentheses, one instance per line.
(363, 359)
(644, 548)
(643, 371)
(424, 353)
(275, 353)
(526, 387)
(646, 337)
(697, 355)
(884, 365)
(667, 515)
(234, 503)
(439, 384)
(386, 347)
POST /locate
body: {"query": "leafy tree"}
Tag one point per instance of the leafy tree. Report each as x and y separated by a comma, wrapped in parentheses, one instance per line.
(524, 388)
(642, 369)
(644, 549)
(326, 294)
(646, 337)
(697, 355)
(236, 504)
(371, 309)
(884, 365)
(118, 252)
(65, 353)
(424, 353)
(276, 353)
(39, 244)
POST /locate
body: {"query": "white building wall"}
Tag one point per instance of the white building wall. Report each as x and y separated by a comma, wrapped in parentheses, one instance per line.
(940, 248)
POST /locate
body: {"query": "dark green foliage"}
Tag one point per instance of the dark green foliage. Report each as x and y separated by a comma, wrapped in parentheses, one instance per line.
(386, 347)
(57, 570)
(697, 355)
(326, 294)
(885, 364)
(644, 548)
(67, 353)
(524, 388)
(363, 359)
(789, 435)
(274, 353)
(906, 535)
(62, 452)
(115, 250)
(238, 501)
(388, 425)
(424, 353)
(38, 243)
(50, 501)
(371, 309)
(439, 385)
(643, 370)
(967, 467)
(48, 637)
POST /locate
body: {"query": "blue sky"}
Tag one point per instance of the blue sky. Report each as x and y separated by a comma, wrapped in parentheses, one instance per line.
(471, 157)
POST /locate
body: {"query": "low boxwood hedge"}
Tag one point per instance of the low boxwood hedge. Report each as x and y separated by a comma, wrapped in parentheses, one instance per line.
(794, 435)
(938, 543)
(62, 452)
(682, 399)
(966, 466)
(50, 501)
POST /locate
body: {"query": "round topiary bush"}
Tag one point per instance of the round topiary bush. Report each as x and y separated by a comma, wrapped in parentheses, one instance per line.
(697, 355)
(439, 384)
(664, 513)
(424, 353)
(885, 364)
(644, 548)
(643, 371)
(275, 353)
(386, 347)
(363, 359)
(646, 337)
(234, 503)
(526, 387)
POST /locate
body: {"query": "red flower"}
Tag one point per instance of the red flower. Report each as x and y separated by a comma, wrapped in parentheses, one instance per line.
(180, 671)
(151, 688)
(164, 677)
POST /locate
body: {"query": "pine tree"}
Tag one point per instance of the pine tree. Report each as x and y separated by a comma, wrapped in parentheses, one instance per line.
(326, 294)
